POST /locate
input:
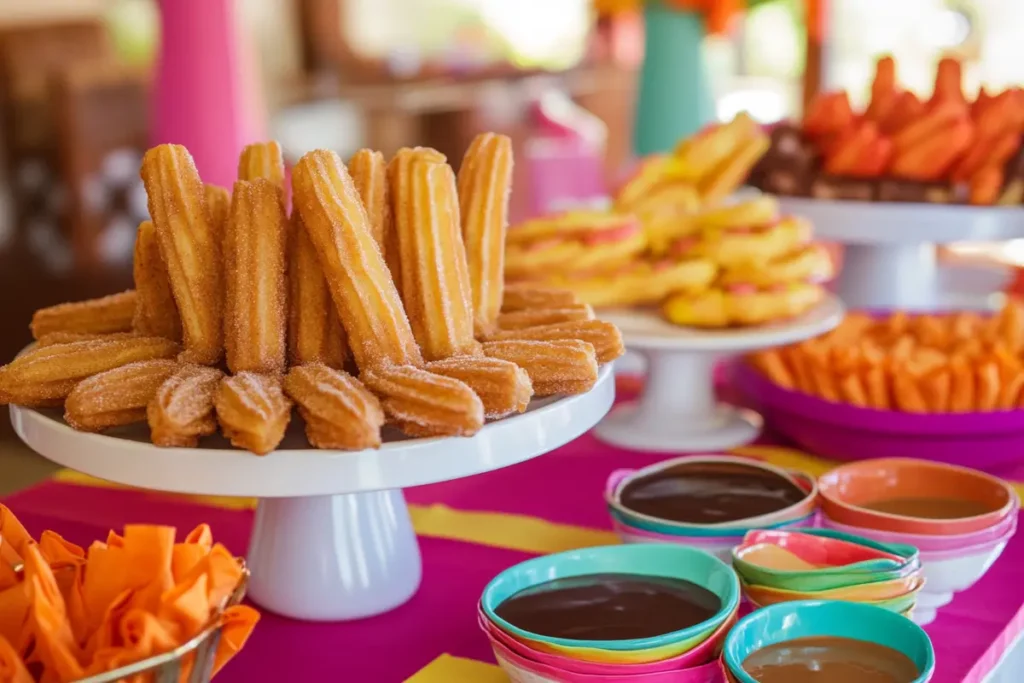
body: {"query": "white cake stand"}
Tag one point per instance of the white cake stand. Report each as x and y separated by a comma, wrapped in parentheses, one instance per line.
(890, 259)
(332, 539)
(678, 410)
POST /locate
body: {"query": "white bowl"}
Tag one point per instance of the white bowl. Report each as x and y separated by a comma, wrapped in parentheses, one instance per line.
(948, 573)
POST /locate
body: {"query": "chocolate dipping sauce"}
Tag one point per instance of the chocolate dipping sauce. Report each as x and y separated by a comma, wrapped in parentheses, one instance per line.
(710, 493)
(929, 508)
(609, 607)
(829, 659)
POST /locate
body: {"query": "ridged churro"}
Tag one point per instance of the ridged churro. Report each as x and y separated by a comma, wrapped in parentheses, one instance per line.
(44, 375)
(340, 412)
(177, 205)
(181, 411)
(484, 184)
(116, 397)
(435, 277)
(107, 314)
(521, 297)
(365, 295)
(68, 337)
(423, 404)
(369, 174)
(400, 204)
(532, 317)
(218, 207)
(262, 160)
(255, 309)
(604, 336)
(568, 366)
(253, 411)
(315, 334)
(156, 313)
(503, 387)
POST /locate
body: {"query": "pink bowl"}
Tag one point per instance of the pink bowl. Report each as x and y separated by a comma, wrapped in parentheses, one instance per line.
(698, 656)
(841, 431)
(523, 670)
(926, 543)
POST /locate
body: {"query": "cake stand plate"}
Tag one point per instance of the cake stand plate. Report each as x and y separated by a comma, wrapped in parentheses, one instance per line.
(332, 538)
(890, 258)
(678, 410)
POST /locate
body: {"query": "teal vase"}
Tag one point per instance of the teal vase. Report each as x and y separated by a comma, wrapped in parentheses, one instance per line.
(675, 98)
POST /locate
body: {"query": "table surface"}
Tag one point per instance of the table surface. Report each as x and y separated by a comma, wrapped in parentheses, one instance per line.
(470, 530)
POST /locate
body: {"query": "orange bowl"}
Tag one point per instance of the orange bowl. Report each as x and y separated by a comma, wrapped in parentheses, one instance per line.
(903, 495)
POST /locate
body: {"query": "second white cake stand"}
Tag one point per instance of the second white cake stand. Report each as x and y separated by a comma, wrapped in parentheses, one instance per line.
(677, 410)
(890, 259)
(332, 539)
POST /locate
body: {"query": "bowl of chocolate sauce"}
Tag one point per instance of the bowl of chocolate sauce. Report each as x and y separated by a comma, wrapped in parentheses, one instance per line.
(700, 495)
(614, 604)
(828, 642)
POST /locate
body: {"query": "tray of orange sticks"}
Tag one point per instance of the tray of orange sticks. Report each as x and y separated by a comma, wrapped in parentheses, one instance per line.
(360, 343)
(945, 387)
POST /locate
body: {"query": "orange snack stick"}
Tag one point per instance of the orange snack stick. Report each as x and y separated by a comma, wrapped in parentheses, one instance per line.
(981, 102)
(874, 160)
(853, 391)
(988, 387)
(799, 363)
(936, 386)
(849, 150)
(962, 393)
(985, 186)
(883, 90)
(988, 150)
(828, 114)
(772, 365)
(905, 110)
(931, 158)
(1010, 389)
(877, 386)
(929, 126)
(1001, 114)
(949, 82)
(907, 394)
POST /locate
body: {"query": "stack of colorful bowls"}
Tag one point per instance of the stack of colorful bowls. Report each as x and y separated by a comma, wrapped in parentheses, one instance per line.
(631, 613)
(707, 502)
(827, 642)
(959, 519)
(817, 564)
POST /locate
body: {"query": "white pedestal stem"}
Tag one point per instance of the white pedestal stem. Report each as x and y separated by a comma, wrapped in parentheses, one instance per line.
(889, 275)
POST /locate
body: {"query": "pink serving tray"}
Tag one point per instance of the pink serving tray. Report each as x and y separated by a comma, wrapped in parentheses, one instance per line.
(984, 441)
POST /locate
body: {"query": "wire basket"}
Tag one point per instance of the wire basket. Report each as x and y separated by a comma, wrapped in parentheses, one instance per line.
(169, 666)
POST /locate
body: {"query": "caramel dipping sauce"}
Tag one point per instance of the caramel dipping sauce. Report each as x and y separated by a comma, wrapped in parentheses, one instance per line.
(710, 493)
(829, 659)
(929, 508)
(609, 606)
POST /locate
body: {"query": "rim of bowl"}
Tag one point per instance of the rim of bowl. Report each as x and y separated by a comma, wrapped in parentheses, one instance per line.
(728, 605)
(873, 611)
(612, 497)
(827, 481)
(733, 538)
(914, 539)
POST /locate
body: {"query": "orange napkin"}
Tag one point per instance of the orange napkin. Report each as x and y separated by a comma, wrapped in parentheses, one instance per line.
(73, 613)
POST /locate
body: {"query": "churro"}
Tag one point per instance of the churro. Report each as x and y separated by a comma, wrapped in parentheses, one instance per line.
(262, 160)
(45, 375)
(503, 387)
(435, 277)
(567, 366)
(116, 397)
(218, 207)
(112, 313)
(177, 205)
(423, 404)
(67, 337)
(156, 313)
(484, 184)
(181, 411)
(365, 295)
(532, 317)
(340, 413)
(254, 274)
(401, 204)
(369, 175)
(605, 337)
(521, 297)
(315, 334)
(253, 411)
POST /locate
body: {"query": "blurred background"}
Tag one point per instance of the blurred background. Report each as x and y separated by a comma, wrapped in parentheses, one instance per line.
(76, 79)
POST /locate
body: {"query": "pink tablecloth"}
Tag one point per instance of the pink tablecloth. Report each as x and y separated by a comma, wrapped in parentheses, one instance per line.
(564, 486)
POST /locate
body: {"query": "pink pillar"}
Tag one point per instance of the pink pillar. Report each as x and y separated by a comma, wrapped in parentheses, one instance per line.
(205, 95)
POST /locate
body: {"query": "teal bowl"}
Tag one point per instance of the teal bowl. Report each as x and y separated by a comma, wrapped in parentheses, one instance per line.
(647, 559)
(808, 618)
(701, 532)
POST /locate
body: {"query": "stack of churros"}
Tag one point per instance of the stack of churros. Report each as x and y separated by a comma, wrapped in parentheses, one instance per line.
(379, 299)
(954, 363)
